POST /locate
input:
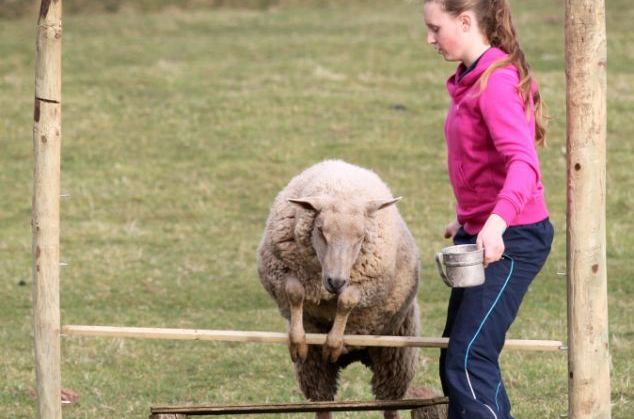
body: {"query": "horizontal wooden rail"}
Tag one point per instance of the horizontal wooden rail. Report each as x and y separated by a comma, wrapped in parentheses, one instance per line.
(276, 337)
(337, 406)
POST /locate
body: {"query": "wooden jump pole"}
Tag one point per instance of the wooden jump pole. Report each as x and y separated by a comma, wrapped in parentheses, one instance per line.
(278, 337)
(47, 136)
(588, 355)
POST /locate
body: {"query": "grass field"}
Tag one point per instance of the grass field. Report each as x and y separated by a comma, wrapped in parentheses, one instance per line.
(179, 129)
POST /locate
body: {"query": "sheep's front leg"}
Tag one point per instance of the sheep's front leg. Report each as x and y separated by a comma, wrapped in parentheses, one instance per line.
(296, 335)
(347, 300)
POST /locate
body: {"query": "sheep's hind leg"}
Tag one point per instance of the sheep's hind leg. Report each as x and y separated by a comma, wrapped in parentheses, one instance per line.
(296, 335)
(317, 379)
(347, 300)
(394, 368)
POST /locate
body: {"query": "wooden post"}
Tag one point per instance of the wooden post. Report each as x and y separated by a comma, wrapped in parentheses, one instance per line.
(46, 195)
(588, 356)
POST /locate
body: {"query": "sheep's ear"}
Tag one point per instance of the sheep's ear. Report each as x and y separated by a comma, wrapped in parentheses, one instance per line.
(373, 206)
(309, 203)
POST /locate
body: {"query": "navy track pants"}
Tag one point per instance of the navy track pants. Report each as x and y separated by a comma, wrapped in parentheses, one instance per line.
(477, 321)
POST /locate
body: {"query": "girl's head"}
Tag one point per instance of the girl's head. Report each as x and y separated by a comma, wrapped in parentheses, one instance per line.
(456, 36)
(458, 27)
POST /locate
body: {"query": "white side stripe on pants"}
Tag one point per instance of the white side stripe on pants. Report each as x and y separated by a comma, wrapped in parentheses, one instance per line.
(466, 357)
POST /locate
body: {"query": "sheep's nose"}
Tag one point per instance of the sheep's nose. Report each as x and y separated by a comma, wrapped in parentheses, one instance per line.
(335, 285)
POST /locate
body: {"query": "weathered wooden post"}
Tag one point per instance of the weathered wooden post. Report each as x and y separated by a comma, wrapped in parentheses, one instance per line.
(47, 137)
(588, 357)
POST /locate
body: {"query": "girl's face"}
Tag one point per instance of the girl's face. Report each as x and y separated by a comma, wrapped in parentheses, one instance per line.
(445, 33)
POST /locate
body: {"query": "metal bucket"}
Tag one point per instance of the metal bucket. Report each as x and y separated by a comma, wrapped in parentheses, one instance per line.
(461, 266)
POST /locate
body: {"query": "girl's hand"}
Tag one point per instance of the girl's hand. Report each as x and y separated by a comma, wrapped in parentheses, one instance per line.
(490, 239)
(452, 228)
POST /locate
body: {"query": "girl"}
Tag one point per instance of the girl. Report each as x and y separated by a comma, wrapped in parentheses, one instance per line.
(492, 127)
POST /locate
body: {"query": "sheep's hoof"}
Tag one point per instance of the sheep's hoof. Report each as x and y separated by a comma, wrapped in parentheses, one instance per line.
(333, 348)
(298, 349)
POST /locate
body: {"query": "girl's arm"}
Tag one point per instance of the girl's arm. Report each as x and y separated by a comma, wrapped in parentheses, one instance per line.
(513, 136)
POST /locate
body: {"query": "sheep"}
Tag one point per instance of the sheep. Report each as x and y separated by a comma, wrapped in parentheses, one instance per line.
(337, 256)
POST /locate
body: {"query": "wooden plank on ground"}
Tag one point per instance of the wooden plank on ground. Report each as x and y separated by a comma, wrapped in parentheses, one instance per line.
(336, 406)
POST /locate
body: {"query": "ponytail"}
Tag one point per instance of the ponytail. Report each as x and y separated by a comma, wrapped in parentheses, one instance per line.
(501, 34)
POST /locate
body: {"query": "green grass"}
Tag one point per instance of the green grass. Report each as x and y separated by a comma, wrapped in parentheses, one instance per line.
(179, 129)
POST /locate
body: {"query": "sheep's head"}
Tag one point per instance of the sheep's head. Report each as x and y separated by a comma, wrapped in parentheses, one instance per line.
(338, 233)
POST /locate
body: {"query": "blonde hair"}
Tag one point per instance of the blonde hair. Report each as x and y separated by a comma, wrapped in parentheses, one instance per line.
(494, 19)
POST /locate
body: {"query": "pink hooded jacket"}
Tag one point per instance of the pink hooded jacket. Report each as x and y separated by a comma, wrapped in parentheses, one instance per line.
(492, 159)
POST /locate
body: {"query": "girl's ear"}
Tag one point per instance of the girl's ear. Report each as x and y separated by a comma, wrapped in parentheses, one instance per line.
(465, 22)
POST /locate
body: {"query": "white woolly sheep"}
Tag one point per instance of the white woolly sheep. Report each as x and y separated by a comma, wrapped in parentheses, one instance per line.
(337, 256)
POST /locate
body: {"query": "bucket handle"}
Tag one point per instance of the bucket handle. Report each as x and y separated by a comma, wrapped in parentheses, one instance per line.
(441, 271)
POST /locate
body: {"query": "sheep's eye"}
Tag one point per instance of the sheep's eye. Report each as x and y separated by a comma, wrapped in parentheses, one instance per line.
(320, 230)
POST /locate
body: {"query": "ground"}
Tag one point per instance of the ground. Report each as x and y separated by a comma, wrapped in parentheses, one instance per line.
(180, 127)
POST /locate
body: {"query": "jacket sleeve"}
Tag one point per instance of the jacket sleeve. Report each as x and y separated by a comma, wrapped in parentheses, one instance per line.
(513, 137)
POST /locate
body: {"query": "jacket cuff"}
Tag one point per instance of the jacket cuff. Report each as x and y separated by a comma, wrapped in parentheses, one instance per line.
(505, 209)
